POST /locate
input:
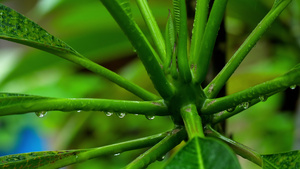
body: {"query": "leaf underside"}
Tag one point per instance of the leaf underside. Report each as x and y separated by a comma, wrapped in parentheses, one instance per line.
(36, 159)
(289, 160)
(204, 153)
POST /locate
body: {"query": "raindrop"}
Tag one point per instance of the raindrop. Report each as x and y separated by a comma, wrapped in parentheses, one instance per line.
(231, 109)
(78, 111)
(121, 115)
(108, 113)
(136, 114)
(263, 98)
(245, 105)
(161, 158)
(41, 114)
(117, 154)
(293, 87)
(150, 117)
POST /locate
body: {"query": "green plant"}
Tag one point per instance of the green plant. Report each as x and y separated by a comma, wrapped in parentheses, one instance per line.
(177, 71)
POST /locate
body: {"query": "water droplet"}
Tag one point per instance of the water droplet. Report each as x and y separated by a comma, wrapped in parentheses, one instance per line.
(150, 117)
(136, 114)
(293, 87)
(231, 109)
(41, 114)
(245, 105)
(108, 113)
(263, 98)
(78, 111)
(161, 158)
(121, 115)
(117, 154)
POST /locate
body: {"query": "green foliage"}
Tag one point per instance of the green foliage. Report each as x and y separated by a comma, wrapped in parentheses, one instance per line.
(177, 66)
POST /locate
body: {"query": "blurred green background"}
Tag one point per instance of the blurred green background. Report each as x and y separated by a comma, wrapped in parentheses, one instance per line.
(268, 127)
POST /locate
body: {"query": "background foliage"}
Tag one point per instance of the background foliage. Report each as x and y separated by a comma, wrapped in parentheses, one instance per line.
(89, 29)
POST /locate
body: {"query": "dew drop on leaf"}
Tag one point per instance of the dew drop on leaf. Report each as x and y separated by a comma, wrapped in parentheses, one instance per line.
(78, 111)
(41, 114)
(245, 105)
(293, 87)
(263, 98)
(161, 158)
(108, 113)
(117, 154)
(231, 109)
(150, 117)
(121, 115)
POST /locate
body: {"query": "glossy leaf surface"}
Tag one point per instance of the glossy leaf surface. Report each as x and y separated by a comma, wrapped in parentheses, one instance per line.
(204, 153)
(287, 160)
(17, 28)
(36, 159)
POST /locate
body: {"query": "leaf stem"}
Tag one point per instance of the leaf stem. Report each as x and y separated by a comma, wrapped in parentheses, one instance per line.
(110, 149)
(159, 150)
(144, 50)
(153, 28)
(26, 104)
(192, 121)
(262, 90)
(239, 148)
(219, 81)
(203, 55)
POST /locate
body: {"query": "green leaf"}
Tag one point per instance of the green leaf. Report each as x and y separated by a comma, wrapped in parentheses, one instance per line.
(287, 160)
(36, 159)
(17, 28)
(125, 4)
(204, 153)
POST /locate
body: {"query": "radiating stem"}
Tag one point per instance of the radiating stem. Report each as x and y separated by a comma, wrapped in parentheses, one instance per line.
(240, 149)
(153, 28)
(192, 121)
(29, 104)
(219, 81)
(108, 150)
(203, 55)
(159, 150)
(265, 89)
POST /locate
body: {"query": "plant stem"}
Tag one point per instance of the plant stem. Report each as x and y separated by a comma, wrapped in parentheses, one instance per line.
(110, 149)
(198, 28)
(117, 79)
(182, 58)
(203, 55)
(153, 28)
(26, 104)
(144, 50)
(239, 148)
(262, 90)
(159, 150)
(219, 81)
(192, 121)
(170, 43)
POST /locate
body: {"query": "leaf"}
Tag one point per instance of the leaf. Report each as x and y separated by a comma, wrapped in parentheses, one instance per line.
(204, 153)
(36, 159)
(289, 160)
(17, 28)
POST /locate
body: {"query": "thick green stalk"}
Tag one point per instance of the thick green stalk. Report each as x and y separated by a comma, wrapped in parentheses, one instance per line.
(240, 149)
(159, 150)
(262, 90)
(182, 58)
(27, 104)
(219, 81)
(203, 55)
(153, 28)
(144, 50)
(192, 121)
(200, 20)
(108, 150)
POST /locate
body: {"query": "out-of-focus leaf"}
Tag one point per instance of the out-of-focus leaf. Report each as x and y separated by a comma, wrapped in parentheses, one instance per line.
(204, 153)
(36, 159)
(289, 160)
